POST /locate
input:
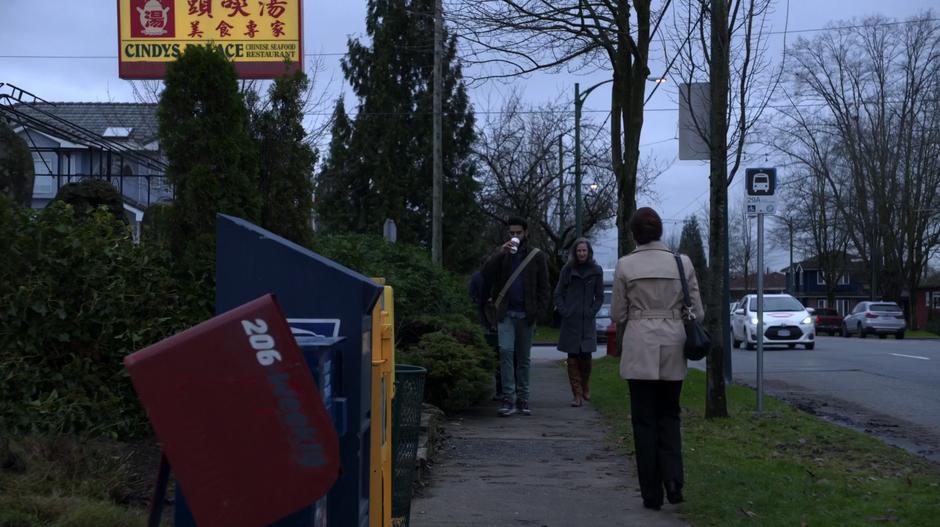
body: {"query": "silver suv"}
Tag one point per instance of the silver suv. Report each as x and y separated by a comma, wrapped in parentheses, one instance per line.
(876, 318)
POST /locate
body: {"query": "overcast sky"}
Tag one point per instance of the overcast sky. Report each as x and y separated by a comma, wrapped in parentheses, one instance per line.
(66, 50)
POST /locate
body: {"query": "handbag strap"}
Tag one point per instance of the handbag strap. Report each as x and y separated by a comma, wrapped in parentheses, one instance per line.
(687, 303)
(515, 274)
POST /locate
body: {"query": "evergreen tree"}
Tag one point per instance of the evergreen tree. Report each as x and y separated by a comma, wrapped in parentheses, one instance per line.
(342, 195)
(387, 154)
(16, 167)
(287, 160)
(212, 160)
(691, 245)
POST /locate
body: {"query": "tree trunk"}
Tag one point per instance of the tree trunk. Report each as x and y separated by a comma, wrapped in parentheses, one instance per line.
(716, 404)
(630, 74)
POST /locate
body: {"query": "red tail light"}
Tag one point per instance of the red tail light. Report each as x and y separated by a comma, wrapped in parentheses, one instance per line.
(871, 315)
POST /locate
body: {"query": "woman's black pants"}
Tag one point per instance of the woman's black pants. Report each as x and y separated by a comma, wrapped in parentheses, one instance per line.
(656, 435)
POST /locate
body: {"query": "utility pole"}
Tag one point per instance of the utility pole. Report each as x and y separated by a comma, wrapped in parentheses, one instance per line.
(577, 160)
(437, 187)
(579, 99)
(791, 276)
(561, 187)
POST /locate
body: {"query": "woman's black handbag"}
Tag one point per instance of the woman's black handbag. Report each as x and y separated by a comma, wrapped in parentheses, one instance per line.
(697, 340)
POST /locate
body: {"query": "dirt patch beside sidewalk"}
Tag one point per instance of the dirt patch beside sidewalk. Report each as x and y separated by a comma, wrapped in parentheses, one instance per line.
(897, 432)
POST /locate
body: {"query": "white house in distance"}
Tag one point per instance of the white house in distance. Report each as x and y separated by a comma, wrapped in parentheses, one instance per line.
(72, 141)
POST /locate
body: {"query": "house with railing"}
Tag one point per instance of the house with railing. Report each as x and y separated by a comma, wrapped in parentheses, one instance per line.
(72, 141)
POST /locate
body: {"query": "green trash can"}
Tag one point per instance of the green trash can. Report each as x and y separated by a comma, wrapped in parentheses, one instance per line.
(406, 427)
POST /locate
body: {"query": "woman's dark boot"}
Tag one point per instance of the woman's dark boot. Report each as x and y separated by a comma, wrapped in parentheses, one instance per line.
(574, 378)
(585, 364)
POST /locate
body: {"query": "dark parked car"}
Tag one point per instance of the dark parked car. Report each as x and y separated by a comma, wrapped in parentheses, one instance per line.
(827, 321)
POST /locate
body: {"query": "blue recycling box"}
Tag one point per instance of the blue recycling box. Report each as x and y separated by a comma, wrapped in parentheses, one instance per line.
(329, 310)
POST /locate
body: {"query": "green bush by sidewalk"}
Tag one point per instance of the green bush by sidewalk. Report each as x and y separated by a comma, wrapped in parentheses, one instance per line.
(435, 328)
(784, 467)
(77, 297)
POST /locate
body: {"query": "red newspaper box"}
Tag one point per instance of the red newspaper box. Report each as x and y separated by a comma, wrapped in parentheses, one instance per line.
(239, 417)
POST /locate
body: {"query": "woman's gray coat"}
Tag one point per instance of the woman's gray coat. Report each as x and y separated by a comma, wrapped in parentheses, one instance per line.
(579, 295)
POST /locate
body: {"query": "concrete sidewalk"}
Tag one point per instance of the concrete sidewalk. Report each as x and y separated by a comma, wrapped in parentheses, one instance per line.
(555, 468)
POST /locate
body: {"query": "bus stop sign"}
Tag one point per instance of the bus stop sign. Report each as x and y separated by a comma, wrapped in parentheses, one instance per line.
(761, 187)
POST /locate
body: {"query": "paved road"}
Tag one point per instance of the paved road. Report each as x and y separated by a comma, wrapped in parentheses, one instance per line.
(893, 384)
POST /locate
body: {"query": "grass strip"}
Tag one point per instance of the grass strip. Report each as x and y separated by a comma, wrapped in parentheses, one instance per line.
(66, 481)
(921, 334)
(784, 467)
(546, 334)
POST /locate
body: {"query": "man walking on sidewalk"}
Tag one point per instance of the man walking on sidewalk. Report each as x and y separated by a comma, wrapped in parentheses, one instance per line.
(517, 276)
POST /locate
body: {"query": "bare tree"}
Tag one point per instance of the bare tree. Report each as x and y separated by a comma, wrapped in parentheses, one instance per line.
(866, 99)
(518, 37)
(742, 250)
(524, 171)
(818, 228)
(724, 43)
(521, 173)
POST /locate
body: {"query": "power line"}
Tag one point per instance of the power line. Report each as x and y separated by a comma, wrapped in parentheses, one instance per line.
(340, 54)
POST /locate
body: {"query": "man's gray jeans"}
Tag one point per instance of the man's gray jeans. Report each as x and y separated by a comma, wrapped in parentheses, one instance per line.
(515, 345)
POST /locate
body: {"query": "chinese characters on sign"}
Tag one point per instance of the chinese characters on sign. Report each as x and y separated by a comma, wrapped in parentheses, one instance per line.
(256, 35)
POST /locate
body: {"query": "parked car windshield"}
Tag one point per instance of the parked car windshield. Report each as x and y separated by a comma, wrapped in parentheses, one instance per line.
(604, 311)
(884, 307)
(778, 303)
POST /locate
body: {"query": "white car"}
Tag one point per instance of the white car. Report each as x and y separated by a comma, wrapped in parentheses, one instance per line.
(786, 322)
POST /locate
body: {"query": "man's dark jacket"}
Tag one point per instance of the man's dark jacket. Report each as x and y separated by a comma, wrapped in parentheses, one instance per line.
(498, 269)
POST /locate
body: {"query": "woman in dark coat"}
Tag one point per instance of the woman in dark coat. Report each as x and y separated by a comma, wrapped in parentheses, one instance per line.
(578, 297)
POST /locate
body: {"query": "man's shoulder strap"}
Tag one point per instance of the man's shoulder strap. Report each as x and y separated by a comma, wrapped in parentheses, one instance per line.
(515, 274)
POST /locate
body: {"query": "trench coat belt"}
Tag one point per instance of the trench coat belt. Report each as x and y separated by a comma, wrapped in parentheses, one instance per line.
(674, 314)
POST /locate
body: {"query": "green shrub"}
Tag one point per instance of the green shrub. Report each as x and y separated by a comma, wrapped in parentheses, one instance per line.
(89, 194)
(421, 288)
(77, 297)
(16, 167)
(458, 375)
(433, 316)
(155, 228)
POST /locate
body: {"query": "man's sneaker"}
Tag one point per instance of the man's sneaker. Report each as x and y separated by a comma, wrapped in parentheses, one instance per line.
(507, 408)
(523, 406)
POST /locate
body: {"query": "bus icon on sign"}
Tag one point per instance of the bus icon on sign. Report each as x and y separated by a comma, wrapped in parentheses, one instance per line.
(761, 183)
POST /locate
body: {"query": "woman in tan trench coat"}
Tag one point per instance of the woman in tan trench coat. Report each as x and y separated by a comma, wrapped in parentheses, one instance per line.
(647, 302)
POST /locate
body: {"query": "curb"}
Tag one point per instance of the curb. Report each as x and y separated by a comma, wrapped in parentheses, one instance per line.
(431, 418)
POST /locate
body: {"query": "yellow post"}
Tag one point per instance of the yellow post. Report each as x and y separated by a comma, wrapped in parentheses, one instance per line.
(383, 386)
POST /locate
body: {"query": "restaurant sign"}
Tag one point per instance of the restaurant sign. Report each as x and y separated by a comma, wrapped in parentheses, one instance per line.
(257, 36)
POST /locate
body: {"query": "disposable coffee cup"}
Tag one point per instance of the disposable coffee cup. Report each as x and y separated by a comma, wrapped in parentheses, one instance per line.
(514, 248)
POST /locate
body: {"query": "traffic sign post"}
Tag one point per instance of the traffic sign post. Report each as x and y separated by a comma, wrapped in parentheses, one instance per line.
(761, 190)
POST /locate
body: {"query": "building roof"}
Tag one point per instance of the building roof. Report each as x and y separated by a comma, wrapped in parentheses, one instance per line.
(137, 122)
(853, 263)
(771, 281)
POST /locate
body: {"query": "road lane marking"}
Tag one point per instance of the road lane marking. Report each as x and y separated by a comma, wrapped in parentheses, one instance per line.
(909, 356)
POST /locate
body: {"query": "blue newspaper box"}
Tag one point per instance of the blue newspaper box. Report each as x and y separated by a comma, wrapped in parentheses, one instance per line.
(320, 355)
(322, 300)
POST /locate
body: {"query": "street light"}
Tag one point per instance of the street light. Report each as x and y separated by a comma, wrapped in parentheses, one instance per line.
(579, 99)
